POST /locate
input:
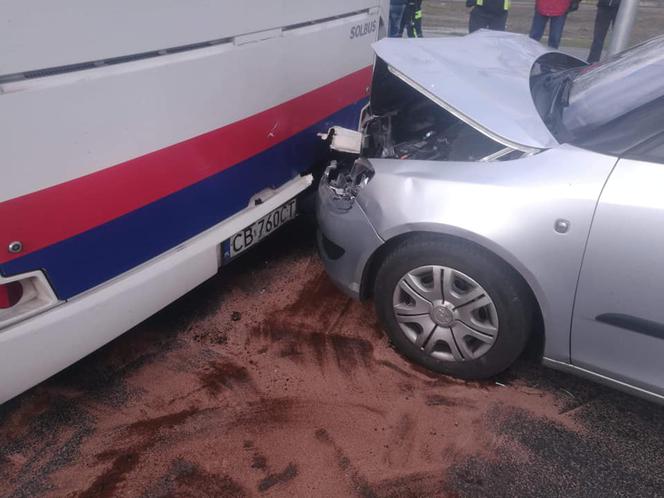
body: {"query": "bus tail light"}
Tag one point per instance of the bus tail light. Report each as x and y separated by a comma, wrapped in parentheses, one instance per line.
(23, 296)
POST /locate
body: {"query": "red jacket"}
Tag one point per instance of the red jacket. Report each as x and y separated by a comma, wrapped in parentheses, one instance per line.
(552, 8)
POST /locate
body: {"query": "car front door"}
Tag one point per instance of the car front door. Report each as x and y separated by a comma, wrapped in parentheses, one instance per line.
(618, 322)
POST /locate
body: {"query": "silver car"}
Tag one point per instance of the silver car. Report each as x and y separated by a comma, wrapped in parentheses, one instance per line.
(498, 185)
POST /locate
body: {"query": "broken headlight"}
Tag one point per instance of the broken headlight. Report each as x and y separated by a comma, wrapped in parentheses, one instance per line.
(345, 184)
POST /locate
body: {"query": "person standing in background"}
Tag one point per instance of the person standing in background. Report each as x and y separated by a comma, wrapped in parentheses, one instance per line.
(490, 14)
(607, 10)
(397, 8)
(412, 19)
(555, 13)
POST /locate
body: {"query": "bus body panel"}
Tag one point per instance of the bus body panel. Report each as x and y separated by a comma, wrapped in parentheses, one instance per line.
(49, 33)
(135, 160)
(93, 119)
(122, 181)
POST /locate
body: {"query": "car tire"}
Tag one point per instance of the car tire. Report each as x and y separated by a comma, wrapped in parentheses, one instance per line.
(471, 271)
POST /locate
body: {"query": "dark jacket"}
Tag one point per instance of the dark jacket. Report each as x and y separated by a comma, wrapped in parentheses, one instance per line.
(614, 4)
(497, 6)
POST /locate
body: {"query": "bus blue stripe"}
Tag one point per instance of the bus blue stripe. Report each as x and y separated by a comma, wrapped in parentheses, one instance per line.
(91, 258)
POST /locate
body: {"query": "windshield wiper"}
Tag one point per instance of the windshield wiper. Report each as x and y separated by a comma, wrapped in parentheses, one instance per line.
(559, 86)
(564, 90)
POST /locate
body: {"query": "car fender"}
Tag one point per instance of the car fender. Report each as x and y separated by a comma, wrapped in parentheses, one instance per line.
(510, 208)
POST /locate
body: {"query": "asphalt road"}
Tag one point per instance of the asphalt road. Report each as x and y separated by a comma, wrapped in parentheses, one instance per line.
(267, 381)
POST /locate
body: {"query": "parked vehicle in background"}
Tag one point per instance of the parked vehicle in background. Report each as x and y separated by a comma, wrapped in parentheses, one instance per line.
(144, 145)
(501, 184)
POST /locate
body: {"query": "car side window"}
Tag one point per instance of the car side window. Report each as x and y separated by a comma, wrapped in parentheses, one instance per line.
(651, 150)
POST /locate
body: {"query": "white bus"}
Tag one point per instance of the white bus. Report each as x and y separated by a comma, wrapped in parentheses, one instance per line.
(145, 143)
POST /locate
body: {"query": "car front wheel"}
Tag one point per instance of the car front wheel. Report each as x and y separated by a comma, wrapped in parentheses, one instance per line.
(452, 307)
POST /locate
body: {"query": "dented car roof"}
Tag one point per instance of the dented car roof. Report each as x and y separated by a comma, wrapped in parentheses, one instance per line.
(482, 78)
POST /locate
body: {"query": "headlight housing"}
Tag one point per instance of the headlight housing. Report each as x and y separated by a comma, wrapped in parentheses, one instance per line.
(345, 185)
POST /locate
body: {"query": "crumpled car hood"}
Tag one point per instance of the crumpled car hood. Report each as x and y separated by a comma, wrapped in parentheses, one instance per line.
(482, 78)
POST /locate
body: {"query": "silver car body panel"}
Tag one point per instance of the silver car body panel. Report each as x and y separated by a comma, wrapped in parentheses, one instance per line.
(350, 230)
(618, 326)
(509, 208)
(582, 228)
(604, 379)
(482, 78)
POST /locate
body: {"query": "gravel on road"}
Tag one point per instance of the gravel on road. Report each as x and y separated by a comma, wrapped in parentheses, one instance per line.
(267, 381)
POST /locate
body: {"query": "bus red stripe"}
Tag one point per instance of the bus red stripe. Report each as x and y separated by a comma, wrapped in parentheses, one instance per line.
(42, 218)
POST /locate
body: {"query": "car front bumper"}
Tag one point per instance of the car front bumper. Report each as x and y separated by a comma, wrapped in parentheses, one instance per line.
(346, 241)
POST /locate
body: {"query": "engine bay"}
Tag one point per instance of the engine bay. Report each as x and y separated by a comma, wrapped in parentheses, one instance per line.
(423, 130)
(403, 123)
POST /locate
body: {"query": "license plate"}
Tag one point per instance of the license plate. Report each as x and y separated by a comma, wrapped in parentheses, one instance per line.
(254, 233)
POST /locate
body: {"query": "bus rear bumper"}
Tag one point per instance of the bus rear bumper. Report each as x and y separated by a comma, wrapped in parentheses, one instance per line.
(34, 349)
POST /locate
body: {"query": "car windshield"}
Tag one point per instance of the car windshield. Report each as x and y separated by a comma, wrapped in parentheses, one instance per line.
(580, 102)
(606, 91)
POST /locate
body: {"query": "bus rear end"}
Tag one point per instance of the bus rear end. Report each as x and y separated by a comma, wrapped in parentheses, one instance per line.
(143, 146)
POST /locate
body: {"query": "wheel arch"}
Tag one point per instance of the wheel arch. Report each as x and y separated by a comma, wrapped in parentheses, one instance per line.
(521, 273)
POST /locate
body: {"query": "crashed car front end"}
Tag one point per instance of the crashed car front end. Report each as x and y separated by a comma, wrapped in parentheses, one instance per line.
(346, 237)
(404, 122)
(428, 164)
